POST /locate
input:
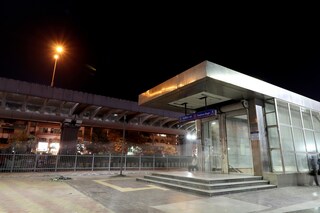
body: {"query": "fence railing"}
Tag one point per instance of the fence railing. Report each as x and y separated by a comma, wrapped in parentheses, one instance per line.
(53, 163)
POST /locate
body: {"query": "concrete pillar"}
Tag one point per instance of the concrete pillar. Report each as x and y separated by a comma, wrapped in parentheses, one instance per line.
(255, 139)
(69, 137)
(224, 145)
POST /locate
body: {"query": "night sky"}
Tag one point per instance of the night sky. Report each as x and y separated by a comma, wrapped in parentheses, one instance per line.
(123, 50)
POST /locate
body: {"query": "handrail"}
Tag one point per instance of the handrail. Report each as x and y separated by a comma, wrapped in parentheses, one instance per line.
(42, 162)
(234, 169)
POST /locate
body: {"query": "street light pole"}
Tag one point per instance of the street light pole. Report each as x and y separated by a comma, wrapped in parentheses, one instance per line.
(56, 56)
(59, 50)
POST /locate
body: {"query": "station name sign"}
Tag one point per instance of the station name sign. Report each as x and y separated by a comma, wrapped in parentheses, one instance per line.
(198, 115)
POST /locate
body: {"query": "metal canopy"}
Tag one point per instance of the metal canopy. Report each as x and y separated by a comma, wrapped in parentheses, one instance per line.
(209, 84)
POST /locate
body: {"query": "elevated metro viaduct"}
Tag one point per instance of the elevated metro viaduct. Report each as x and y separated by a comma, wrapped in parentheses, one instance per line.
(72, 109)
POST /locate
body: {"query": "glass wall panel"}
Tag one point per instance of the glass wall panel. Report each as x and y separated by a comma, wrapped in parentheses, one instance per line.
(286, 138)
(311, 146)
(302, 162)
(295, 116)
(273, 137)
(239, 146)
(289, 162)
(276, 160)
(317, 137)
(269, 106)
(316, 121)
(207, 148)
(306, 119)
(271, 119)
(299, 140)
(216, 150)
(283, 113)
(212, 146)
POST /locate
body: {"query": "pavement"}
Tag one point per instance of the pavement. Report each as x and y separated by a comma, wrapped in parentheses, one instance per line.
(115, 192)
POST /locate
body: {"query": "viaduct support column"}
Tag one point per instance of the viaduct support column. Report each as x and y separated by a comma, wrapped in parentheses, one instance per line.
(69, 137)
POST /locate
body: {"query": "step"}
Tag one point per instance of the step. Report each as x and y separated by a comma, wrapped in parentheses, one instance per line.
(207, 180)
(209, 185)
(209, 192)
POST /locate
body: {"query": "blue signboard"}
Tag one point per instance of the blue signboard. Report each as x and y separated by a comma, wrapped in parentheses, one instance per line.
(198, 115)
(188, 117)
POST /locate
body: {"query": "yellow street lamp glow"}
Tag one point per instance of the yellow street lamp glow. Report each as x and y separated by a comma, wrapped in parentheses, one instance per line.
(59, 50)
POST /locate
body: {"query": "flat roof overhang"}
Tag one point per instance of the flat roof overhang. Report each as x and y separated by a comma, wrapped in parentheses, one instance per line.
(194, 89)
(208, 84)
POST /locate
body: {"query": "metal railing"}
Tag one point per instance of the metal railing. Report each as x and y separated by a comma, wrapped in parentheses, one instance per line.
(53, 163)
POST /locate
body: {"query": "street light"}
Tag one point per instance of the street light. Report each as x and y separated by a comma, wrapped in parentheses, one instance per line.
(59, 50)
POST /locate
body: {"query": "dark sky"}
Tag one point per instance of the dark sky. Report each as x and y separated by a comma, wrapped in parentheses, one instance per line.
(134, 47)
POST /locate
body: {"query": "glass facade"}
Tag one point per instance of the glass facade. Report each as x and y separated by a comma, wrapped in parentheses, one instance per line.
(212, 146)
(239, 147)
(293, 135)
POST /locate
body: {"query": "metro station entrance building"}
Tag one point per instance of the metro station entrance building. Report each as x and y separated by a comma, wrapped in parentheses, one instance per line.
(252, 126)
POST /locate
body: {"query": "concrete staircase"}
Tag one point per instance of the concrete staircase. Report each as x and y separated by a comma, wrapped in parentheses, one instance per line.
(208, 186)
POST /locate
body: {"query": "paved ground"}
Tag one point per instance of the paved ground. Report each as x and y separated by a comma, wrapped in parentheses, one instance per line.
(110, 192)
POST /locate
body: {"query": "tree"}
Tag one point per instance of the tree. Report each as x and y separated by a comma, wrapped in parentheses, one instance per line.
(21, 142)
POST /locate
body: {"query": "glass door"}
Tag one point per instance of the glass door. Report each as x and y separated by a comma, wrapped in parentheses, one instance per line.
(239, 146)
(212, 149)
